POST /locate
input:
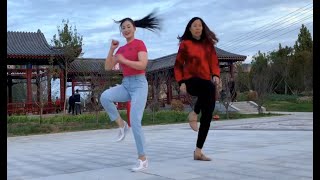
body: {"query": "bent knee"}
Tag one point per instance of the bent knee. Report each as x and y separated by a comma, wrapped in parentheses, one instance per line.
(105, 96)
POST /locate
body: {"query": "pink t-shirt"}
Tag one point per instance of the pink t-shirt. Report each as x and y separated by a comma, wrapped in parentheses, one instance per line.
(130, 52)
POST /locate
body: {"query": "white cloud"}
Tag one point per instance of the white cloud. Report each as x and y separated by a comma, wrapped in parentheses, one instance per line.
(230, 19)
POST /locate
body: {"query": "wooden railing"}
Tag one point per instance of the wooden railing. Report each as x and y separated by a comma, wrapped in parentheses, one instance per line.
(34, 108)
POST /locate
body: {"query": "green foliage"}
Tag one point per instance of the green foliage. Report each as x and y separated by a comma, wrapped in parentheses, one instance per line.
(286, 70)
(281, 97)
(262, 77)
(288, 106)
(280, 60)
(289, 103)
(242, 80)
(67, 37)
(301, 71)
(70, 43)
(304, 41)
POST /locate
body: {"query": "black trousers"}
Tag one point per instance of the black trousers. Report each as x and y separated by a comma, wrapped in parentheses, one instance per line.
(77, 108)
(205, 91)
(71, 108)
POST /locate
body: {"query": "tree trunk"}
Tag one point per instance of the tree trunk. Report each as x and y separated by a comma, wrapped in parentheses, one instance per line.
(65, 83)
(41, 111)
(227, 111)
(97, 119)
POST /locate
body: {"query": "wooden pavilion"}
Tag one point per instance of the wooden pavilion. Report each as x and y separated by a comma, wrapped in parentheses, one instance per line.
(29, 55)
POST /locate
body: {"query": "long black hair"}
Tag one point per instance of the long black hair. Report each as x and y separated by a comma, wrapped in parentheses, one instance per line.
(206, 34)
(150, 22)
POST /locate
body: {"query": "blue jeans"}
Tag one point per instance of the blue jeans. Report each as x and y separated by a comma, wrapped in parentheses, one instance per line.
(134, 89)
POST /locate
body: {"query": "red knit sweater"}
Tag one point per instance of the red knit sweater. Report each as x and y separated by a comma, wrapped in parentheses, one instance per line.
(196, 59)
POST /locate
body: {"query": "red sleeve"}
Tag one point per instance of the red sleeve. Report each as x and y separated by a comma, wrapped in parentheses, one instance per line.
(214, 67)
(141, 46)
(180, 59)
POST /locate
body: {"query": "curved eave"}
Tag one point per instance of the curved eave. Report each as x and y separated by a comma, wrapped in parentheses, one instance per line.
(229, 58)
(11, 56)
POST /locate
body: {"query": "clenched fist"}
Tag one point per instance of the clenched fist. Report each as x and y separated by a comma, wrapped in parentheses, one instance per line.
(114, 44)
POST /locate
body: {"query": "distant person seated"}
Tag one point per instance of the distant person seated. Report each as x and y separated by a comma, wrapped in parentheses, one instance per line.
(58, 105)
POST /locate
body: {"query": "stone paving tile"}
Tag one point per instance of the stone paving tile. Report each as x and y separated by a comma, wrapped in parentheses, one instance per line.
(238, 152)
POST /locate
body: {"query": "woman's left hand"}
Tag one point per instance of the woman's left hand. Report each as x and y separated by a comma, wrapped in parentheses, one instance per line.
(215, 80)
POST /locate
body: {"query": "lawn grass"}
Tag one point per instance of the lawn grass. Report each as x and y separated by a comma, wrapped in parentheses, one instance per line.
(281, 102)
(289, 103)
(24, 125)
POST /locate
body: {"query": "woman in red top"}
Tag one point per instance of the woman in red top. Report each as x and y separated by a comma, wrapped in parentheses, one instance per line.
(196, 70)
(133, 59)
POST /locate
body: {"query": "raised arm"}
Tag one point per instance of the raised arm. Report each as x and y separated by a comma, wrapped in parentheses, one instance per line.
(110, 61)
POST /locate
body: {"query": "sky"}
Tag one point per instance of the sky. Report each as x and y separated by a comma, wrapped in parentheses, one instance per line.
(242, 27)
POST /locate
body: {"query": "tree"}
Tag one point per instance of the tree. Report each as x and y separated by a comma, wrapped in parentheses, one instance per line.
(42, 94)
(70, 43)
(262, 78)
(99, 81)
(242, 79)
(227, 92)
(300, 68)
(157, 88)
(279, 61)
(304, 41)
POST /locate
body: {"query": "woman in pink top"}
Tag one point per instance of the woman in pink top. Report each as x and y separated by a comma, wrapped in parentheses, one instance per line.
(133, 59)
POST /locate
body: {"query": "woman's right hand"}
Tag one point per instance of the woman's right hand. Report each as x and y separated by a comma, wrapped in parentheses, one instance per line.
(114, 44)
(183, 88)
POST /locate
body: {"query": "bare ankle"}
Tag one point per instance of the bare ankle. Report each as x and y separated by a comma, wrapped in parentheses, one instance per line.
(198, 151)
(142, 158)
(120, 122)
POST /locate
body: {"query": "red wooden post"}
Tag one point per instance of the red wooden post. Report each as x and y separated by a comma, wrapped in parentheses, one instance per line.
(49, 87)
(38, 80)
(128, 112)
(169, 91)
(29, 88)
(62, 87)
(73, 84)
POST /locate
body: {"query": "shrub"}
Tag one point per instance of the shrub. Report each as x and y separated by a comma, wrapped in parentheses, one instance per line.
(177, 105)
(307, 99)
(307, 93)
(154, 106)
(252, 96)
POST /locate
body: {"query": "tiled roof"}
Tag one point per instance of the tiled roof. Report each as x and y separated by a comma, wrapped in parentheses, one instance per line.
(161, 63)
(169, 60)
(87, 65)
(165, 62)
(225, 55)
(29, 44)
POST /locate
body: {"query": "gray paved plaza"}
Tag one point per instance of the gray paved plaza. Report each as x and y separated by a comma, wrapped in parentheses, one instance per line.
(272, 148)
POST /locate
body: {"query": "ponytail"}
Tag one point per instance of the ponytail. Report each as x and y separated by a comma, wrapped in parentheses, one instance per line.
(150, 22)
